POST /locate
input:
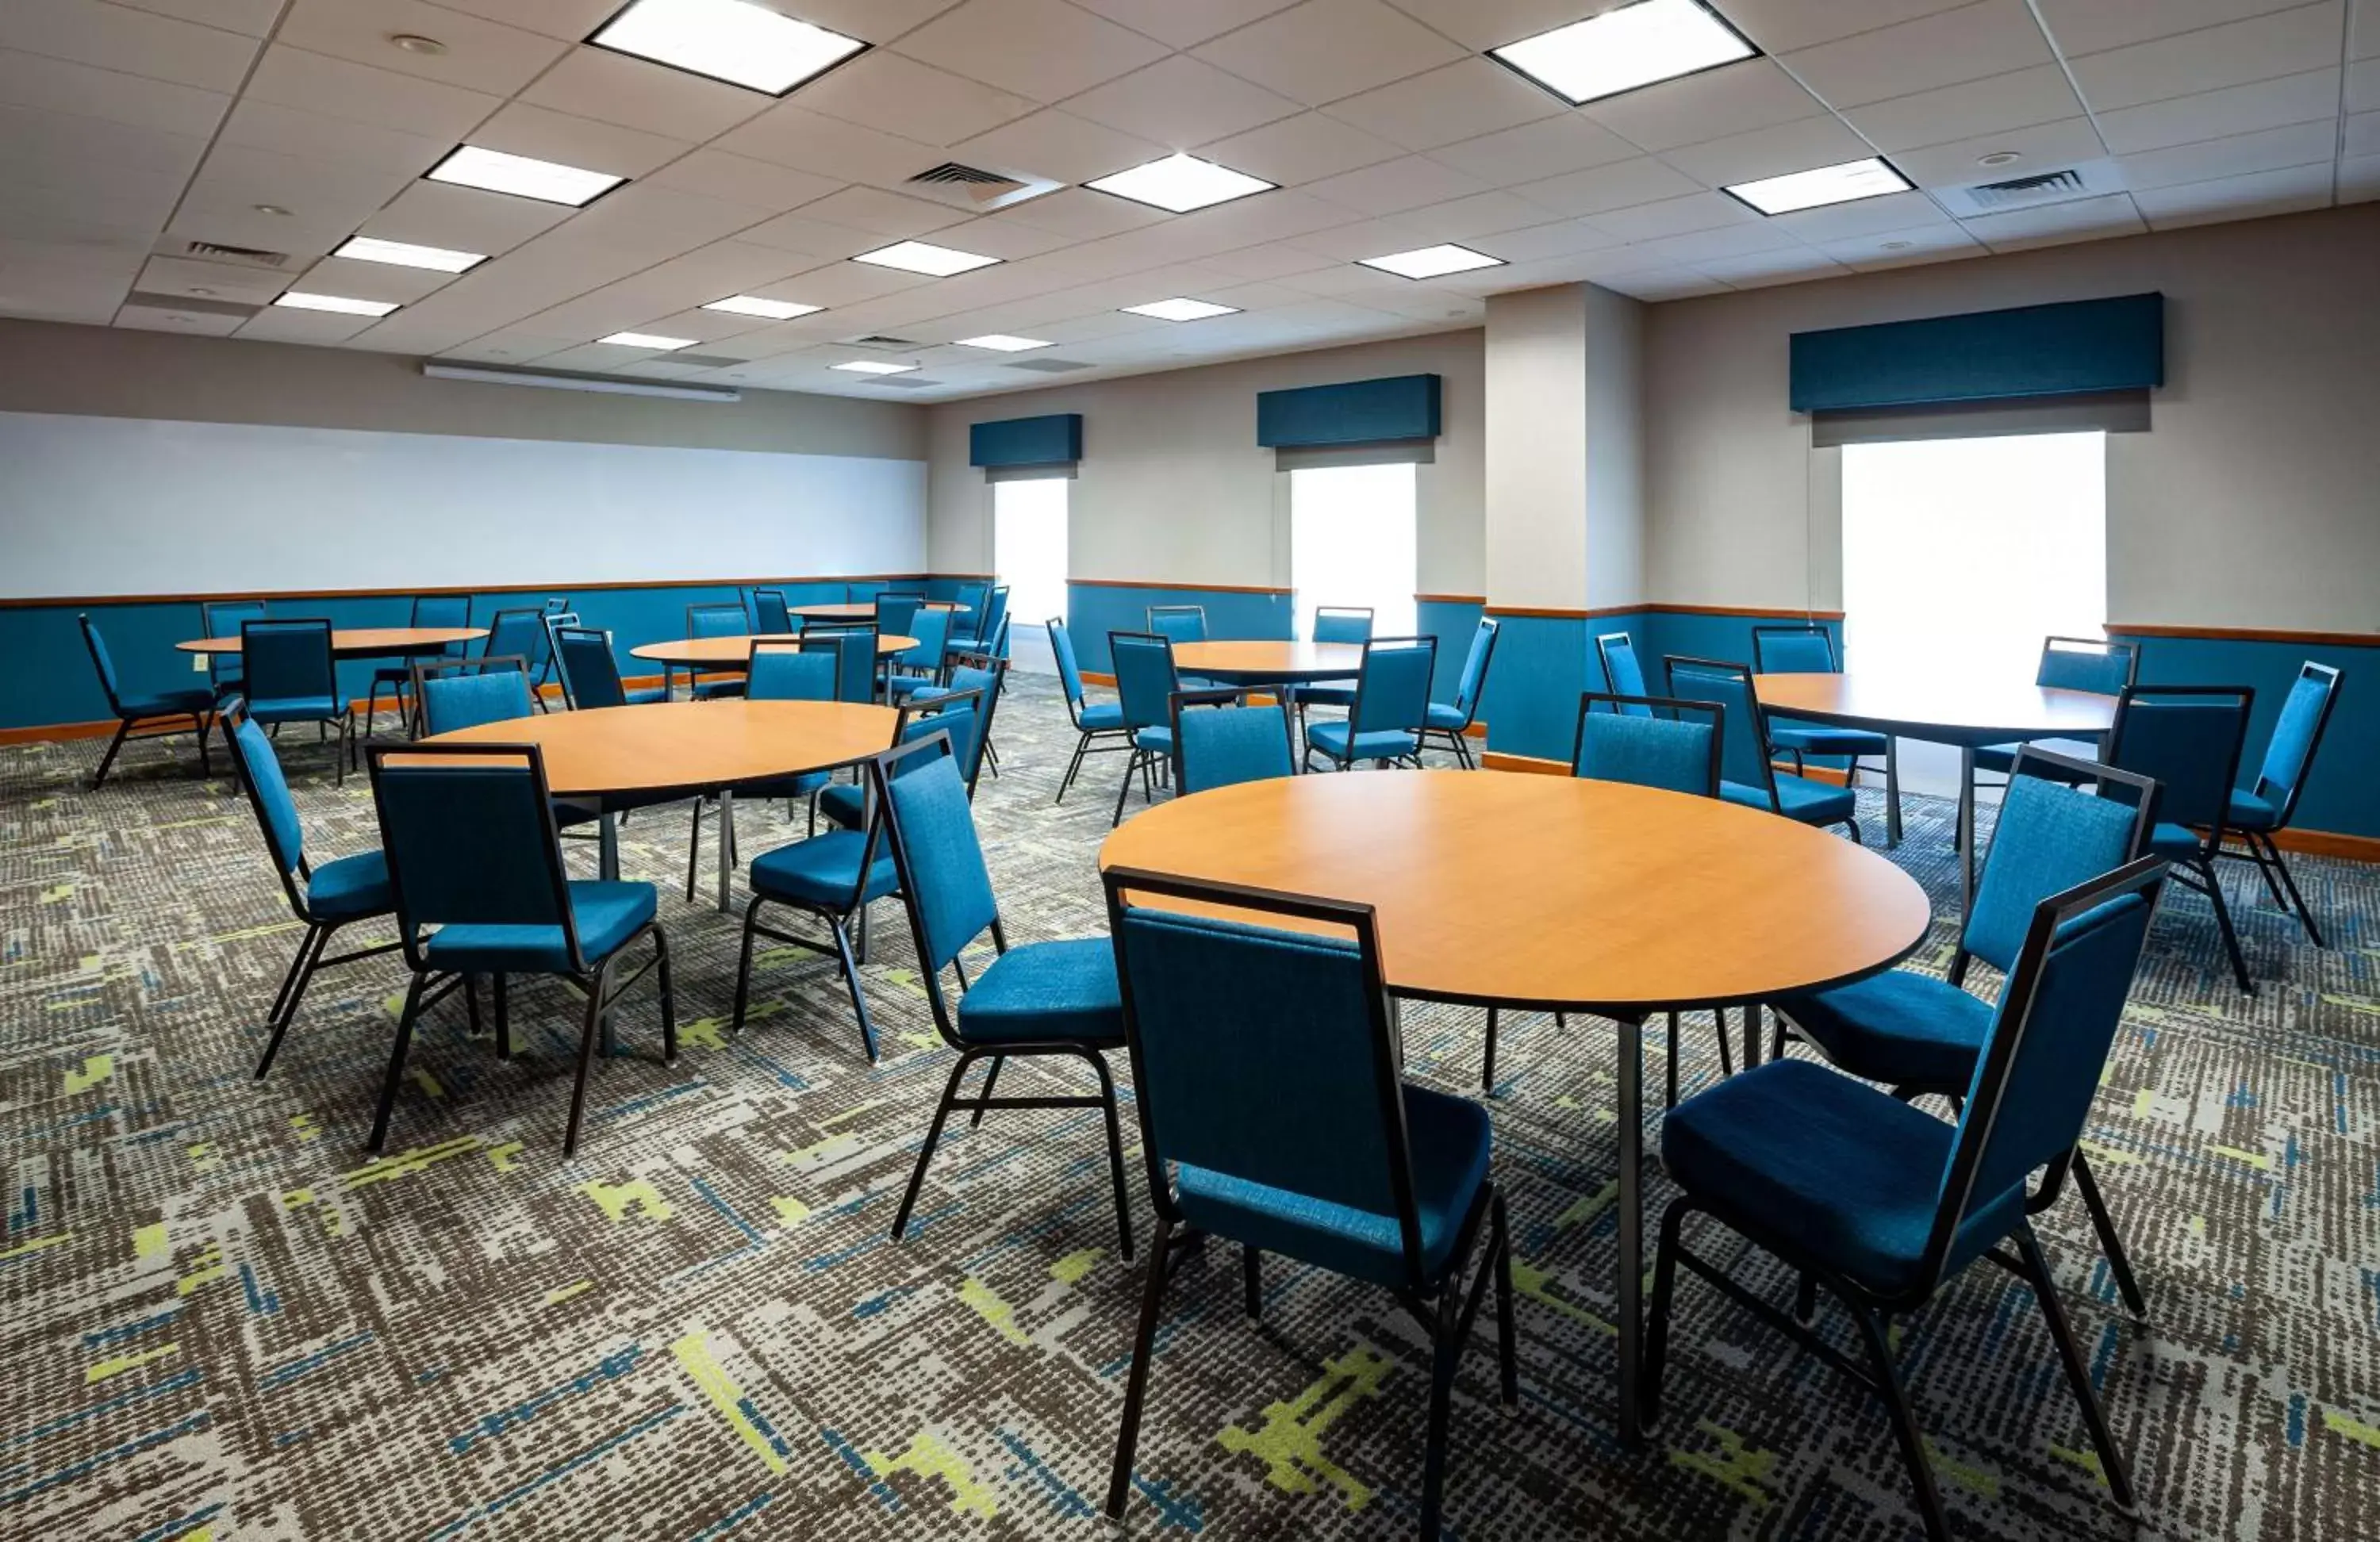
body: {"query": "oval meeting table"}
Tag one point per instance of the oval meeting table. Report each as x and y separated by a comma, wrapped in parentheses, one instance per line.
(361, 642)
(1965, 715)
(1269, 663)
(862, 609)
(730, 654)
(1560, 894)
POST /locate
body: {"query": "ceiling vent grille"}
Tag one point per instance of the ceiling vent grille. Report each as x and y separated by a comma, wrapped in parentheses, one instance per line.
(2032, 191)
(883, 342)
(246, 257)
(979, 189)
(950, 171)
(2018, 191)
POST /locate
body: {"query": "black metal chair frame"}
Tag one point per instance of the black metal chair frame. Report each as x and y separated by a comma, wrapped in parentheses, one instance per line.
(1355, 712)
(1223, 695)
(1851, 774)
(1458, 739)
(596, 983)
(345, 715)
(759, 623)
(1147, 763)
(2263, 849)
(554, 628)
(2197, 871)
(210, 618)
(1871, 1310)
(549, 671)
(1086, 740)
(126, 722)
(694, 680)
(397, 676)
(534, 668)
(1444, 1315)
(1670, 662)
(2131, 652)
(1603, 641)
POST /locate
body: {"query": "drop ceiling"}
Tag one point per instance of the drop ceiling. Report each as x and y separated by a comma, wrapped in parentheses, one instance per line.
(130, 129)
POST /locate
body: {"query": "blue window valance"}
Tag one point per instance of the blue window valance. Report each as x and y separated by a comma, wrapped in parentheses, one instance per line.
(1359, 412)
(1055, 439)
(2033, 350)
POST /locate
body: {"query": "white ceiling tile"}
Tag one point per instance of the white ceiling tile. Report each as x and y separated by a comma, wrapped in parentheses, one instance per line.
(846, 283)
(1183, 25)
(2286, 42)
(1844, 220)
(1324, 50)
(254, 17)
(1560, 238)
(1900, 249)
(2216, 113)
(2018, 100)
(1393, 184)
(1719, 243)
(1471, 219)
(1484, 24)
(32, 80)
(546, 134)
(790, 136)
(988, 237)
(2363, 136)
(741, 179)
(637, 93)
(62, 146)
(1302, 149)
(1533, 152)
(570, 19)
(2054, 225)
(290, 77)
(2270, 150)
(1442, 106)
(798, 232)
(871, 21)
(2364, 32)
(1057, 145)
(177, 275)
(1662, 284)
(1802, 145)
(2237, 198)
(262, 126)
(73, 214)
(1642, 180)
(1181, 103)
(1078, 214)
(1675, 216)
(462, 219)
(1760, 270)
(2088, 26)
(190, 323)
(212, 212)
(2363, 86)
(2359, 179)
(370, 281)
(1352, 243)
(897, 94)
(481, 55)
(885, 214)
(1271, 261)
(1043, 49)
(2044, 147)
(1732, 99)
(1780, 25)
(1274, 216)
(138, 43)
(1989, 38)
(319, 191)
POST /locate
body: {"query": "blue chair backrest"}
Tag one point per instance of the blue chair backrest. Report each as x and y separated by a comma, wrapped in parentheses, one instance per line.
(1794, 651)
(1621, 672)
(1344, 624)
(558, 604)
(935, 847)
(894, 611)
(453, 701)
(2049, 838)
(1473, 678)
(222, 618)
(517, 632)
(717, 621)
(992, 626)
(1145, 676)
(276, 811)
(2189, 739)
(1220, 746)
(769, 611)
(288, 661)
(101, 660)
(2291, 751)
(1744, 749)
(854, 670)
(1179, 624)
(1678, 752)
(967, 713)
(972, 619)
(788, 671)
(931, 628)
(470, 837)
(443, 610)
(2084, 665)
(1070, 670)
(1394, 690)
(589, 672)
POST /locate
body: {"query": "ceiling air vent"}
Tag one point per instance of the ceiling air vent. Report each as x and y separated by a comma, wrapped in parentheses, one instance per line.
(2020, 190)
(950, 171)
(2032, 191)
(979, 189)
(246, 257)
(882, 341)
(192, 305)
(1048, 366)
(903, 382)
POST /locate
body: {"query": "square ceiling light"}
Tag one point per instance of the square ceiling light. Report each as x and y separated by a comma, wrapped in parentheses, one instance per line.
(752, 304)
(1432, 262)
(546, 181)
(919, 256)
(339, 303)
(1000, 342)
(1181, 182)
(404, 254)
(727, 39)
(873, 367)
(1181, 310)
(1847, 183)
(1621, 50)
(647, 340)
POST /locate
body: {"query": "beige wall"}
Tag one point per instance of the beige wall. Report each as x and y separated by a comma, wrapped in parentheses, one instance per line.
(1174, 489)
(1615, 448)
(1536, 363)
(2253, 501)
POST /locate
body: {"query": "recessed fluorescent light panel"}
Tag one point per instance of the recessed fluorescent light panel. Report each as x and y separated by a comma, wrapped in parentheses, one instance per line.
(1178, 310)
(339, 303)
(1181, 182)
(1621, 50)
(1847, 183)
(727, 39)
(546, 181)
(752, 304)
(366, 248)
(917, 257)
(874, 367)
(1432, 262)
(647, 340)
(1000, 342)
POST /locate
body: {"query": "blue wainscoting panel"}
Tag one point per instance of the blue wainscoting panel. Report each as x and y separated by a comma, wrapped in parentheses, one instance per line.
(1452, 622)
(1094, 610)
(1542, 664)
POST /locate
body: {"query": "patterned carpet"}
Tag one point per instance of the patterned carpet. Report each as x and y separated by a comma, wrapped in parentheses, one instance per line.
(222, 1322)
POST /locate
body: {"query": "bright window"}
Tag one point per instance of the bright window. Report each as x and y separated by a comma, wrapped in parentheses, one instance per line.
(1028, 552)
(1352, 542)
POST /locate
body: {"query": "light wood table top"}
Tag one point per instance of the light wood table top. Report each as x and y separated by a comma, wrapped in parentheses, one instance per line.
(736, 653)
(362, 642)
(687, 746)
(863, 610)
(1520, 890)
(1271, 660)
(1942, 711)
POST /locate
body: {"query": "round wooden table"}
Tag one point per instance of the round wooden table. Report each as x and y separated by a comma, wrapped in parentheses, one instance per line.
(863, 610)
(1969, 715)
(1272, 663)
(635, 754)
(362, 642)
(1603, 898)
(732, 653)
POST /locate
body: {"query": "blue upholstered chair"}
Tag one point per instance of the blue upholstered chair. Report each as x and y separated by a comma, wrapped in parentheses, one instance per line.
(1767, 1154)
(970, 622)
(799, 671)
(895, 610)
(713, 621)
(222, 618)
(991, 632)
(2188, 739)
(591, 675)
(1219, 743)
(854, 670)
(834, 878)
(1343, 624)
(1036, 1000)
(1919, 1035)
(1390, 711)
(920, 664)
(325, 898)
(156, 713)
(2071, 664)
(291, 678)
(1178, 625)
(1747, 773)
(557, 613)
(429, 610)
(450, 694)
(519, 632)
(771, 616)
(1623, 674)
(1099, 725)
(1808, 648)
(845, 803)
(1145, 681)
(1453, 719)
(2257, 812)
(475, 869)
(1266, 1075)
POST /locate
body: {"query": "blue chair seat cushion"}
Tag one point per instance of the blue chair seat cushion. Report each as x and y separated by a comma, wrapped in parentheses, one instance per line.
(294, 709)
(716, 690)
(1041, 991)
(845, 803)
(1449, 1141)
(1899, 1027)
(2173, 839)
(1157, 738)
(1099, 717)
(350, 888)
(168, 704)
(1816, 738)
(1828, 1170)
(605, 914)
(821, 870)
(2252, 810)
(1445, 714)
(1327, 696)
(901, 687)
(1379, 744)
(645, 696)
(1798, 797)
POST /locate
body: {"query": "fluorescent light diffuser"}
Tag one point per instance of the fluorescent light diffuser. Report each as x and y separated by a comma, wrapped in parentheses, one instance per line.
(493, 374)
(403, 254)
(1432, 262)
(546, 181)
(727, 39)
(1000, 342)
(1181, 182)
(874, 367)
(917, 257)
(1180, 309)
(1847, 183)
(647, 340)
(339, 303)
(1619, 51)
(752, 304)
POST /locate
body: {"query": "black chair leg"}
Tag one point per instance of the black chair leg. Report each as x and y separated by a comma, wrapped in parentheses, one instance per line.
(198, 726)
(2223, 924)
(991, 1080)
(1806, 1299)
(1135, 1386)
(1251, 1281)
(395, 1064)
(2110, 1245)
(1446, 1349)
(744, 963)
(2264, 871)
(1116, 1149)
(669, 996)
(1507, 1361)
(933, 1138)
(502, 995)
(694, 849)
(1726, 1052)
(471, 1003)
(1656, 1316)
(2305, 912)
(2078, 1373)
(293, 991)
(858, 996)
(1669, 1093)
(1904, 1423)
(588, 1033)
(1488, 1061)
(1073, 767)
(123, 730)
(1132, 764)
